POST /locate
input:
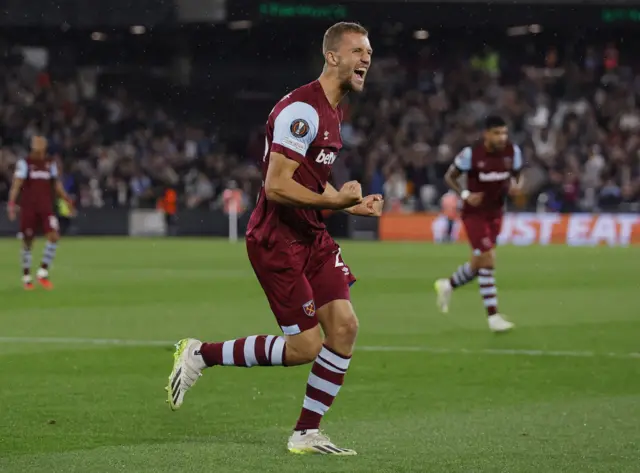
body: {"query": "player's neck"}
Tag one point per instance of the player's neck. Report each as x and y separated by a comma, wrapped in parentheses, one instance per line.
(331, 89)
(489, 148)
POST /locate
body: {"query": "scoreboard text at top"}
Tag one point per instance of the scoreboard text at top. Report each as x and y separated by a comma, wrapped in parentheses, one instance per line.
(283, 10)
(336, 11)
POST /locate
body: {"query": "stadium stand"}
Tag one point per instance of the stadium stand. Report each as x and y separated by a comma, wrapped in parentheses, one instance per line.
(122, 140)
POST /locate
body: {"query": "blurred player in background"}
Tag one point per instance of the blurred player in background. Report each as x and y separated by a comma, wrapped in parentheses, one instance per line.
(296, 261)
(449, 204)
(168, 205)
(32, 181)
(65, 215)
(492, 167)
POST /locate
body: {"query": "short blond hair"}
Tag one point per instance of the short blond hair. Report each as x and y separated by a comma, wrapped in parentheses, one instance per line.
(334, 34)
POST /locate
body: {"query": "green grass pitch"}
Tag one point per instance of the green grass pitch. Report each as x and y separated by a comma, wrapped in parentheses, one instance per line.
(426, 393)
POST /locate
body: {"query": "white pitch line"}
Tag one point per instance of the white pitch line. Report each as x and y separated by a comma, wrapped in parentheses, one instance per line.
(498, 351)
(394, 349)
(88, 341)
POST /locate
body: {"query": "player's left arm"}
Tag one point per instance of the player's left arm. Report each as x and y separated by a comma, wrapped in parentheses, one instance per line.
(371, 205)
(517, 179)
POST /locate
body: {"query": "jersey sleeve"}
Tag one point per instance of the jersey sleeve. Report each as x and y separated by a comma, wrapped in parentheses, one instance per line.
(54, 171)
(517, 159)
(463, 160)
(295, 128)
(21, 169)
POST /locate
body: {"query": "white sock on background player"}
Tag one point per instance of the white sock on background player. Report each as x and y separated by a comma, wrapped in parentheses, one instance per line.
(487, 285)
(463, 275)
(47, 258)
(489, 293)
(26, 265)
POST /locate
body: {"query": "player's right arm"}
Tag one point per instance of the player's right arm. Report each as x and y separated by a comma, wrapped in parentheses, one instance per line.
(461, 165)
(294, 130)
(281, 187)
(16, 184)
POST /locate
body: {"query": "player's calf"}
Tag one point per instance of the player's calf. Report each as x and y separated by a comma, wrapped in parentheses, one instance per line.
(340, 326)
(489, 292)
(47, 259)
(26, 265)
(192, 357)
(485, 262)
(264, 350)
(256, 350)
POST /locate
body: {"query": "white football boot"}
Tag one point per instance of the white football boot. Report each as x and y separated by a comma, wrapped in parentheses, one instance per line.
(314, 442)
(444, 291)
(498, 324)
(187, 368)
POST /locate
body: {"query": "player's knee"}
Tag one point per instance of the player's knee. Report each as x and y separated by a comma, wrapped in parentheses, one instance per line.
(346, 328)
(53, 237)
(301, 354)
(484, 260)
(312, 351)
(490, 259)
(304, 347)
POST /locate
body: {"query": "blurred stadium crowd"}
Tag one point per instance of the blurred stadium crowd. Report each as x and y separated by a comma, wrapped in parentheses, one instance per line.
(575, 113)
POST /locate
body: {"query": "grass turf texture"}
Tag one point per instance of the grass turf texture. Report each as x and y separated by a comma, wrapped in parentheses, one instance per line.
(81, 407)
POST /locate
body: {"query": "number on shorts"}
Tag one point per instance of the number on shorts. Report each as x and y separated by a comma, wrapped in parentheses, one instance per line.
(339, 263)
(53, 222)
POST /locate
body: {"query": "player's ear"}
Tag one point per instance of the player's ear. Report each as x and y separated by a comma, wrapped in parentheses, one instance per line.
(331, 58)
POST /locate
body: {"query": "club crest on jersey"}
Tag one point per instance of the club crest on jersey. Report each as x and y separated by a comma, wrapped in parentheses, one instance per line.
(309, 308)
(299, 128)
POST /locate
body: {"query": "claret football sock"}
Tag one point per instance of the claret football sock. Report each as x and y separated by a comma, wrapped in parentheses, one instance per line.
(26, 263)
(256, 350)
(487, 283)
(463, 275)
(49, 255)
(323, 385)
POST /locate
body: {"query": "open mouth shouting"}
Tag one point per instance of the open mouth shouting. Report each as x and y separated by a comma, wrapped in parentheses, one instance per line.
(359, 75)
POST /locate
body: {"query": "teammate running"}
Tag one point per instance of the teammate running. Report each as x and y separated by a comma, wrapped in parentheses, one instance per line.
(492, 167)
